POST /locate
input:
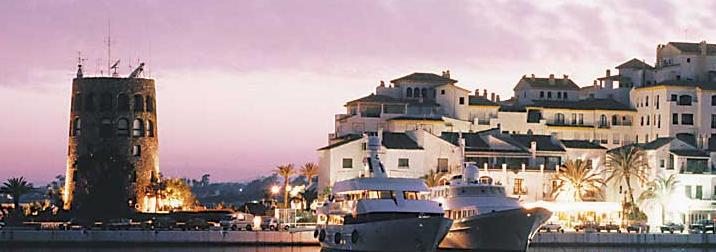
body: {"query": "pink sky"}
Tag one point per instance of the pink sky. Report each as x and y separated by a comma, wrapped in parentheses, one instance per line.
(244, 86)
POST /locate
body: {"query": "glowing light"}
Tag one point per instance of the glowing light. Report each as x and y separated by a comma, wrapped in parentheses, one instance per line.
(275, 189)
(257, 221)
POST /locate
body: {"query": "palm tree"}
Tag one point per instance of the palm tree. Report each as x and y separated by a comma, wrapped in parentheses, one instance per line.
(285, 171)
(578, 178)
(660, 192)
(16, 187)
(433, 178)
(627, 164)
(309, 170)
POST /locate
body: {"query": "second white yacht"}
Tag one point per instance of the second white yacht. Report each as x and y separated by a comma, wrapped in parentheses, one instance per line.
(379, 213)
(485, 218)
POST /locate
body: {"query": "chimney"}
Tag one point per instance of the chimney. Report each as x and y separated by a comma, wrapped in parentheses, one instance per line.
(704, 47)
(477, 92)
(492, 97)
(566, 77)
(484, 93)
(551, 79)
(609, 73)
(595, 83)
(446, 74)
(533, 77)
(382, 83)
(497, 98)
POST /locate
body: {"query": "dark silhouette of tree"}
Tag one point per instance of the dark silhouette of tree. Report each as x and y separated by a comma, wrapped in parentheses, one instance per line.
(16, 187)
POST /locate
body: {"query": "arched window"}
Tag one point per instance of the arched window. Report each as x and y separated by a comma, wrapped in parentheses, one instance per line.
(602, 121)
(150, 104)
(137, 128)
(122, 127)
(138, 103)
(424, 92)
(416, 92)
(559, 118)
(565, 95)
(105, 102)
(76, 127)
(684, 100)
(549, 95)
(615, 120)
(105, 128)
(150, 128)
(409, 92)
(89, 102)
(123, 102)
(77, 105)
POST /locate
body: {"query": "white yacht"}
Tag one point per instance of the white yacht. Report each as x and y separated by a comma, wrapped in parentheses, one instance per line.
(378, 213)
(485, 218)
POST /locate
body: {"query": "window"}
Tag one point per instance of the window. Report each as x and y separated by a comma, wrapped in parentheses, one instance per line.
(443, 165)
(409, 92)
(662, 163)
(416, 92)
(150, 104)
(517, 188)
(675, 119)
(393, 109)
(615, 138)
(424, 92)
(647, 120)
(684, 100)
(559, 118)
(687, 119)
(713, 121)
(713, 100)
(602, 121)
(76, 127)
(581, 119)
(658, 125)
(486, 180)
(105, 102)
(615, 120)
(565, 95)
(403, 163)
(688, 60)
(442, 91)
(549, 95)
(687, 190)
(137, 128)
(105, 128)
(462, 100)
(574, 118)
(78, 102)
(138, 103)
(674, 97)
(347, 163)
(541, 94)
(408, 195)
(122, 102)
(136, 150)
(150, 128)
(642, 121)
(122, 127)
(559, 95)
(699, 192)
(646, 103)
(657, 101)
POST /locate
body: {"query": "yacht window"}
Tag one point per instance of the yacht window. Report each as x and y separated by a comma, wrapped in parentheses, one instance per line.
(410, 195)
(380, 195)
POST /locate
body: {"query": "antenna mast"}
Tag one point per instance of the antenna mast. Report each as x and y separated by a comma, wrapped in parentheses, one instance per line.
(109, 46)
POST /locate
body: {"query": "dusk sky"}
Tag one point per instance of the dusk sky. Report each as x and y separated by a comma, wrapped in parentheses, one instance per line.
(244, 86)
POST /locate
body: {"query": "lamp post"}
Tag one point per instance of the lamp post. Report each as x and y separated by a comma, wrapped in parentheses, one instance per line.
(274, 190)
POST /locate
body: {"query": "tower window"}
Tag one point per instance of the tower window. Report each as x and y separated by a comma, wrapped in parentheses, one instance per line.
(137, 150)
(138, 103)
(150, 104)
(150, 128)
(409, 92)
(122, 127)
(122, 102)
(137, 128)
(416, 92)
(76, 127)
(462, 100)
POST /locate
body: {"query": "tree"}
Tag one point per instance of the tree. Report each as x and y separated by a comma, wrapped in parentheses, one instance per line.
(659, 192)
(55, 189)
(16, 187)
(285, 171)
(578, 178)
(178, 195)
(309, 170)
(433, 178)
(627, 164)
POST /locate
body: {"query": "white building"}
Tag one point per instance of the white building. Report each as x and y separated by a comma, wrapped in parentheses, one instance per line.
(668, 109)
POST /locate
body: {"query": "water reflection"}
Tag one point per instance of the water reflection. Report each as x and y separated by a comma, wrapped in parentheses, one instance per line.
(310, 249)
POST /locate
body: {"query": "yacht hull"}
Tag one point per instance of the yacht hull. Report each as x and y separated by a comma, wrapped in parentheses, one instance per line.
(407, 234)
(508, 230)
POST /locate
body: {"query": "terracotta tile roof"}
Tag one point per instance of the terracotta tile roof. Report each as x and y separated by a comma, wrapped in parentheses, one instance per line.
(544, 83)
(425, 77)
(686, 47)
(417, 117)
(481, 101)
(581, 144)
(392, 140)
(684, 83)
(345, 140)
(634, 64)
(585, 104)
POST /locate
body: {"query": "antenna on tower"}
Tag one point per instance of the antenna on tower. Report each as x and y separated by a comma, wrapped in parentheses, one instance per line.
(115, 66)
(109, 46)
(80, 73)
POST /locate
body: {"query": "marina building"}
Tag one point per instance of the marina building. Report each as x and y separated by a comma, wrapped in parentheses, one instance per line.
(427, 122)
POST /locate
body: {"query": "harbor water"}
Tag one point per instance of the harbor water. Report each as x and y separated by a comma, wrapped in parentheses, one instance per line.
(304, 249)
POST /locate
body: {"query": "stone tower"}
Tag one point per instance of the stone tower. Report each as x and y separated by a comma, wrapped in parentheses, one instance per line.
(113, 143)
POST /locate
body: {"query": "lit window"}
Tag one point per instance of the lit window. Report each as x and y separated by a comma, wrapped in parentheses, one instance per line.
(137, 128)
(138, 103)
(150, 104)
(76, 127)
(150, 128)
(136, 150)
(122, 127)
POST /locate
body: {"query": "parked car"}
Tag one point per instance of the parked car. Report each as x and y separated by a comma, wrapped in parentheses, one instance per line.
(270, 223)
(672, 227)
(702, 226)
(637, 228)
(158, 223)
(196, 224)
(238, 221)
(586, 227)
(117, 224)
(552, 226)
(608, 227)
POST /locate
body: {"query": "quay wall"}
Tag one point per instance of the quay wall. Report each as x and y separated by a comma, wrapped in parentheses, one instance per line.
(128, 237)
